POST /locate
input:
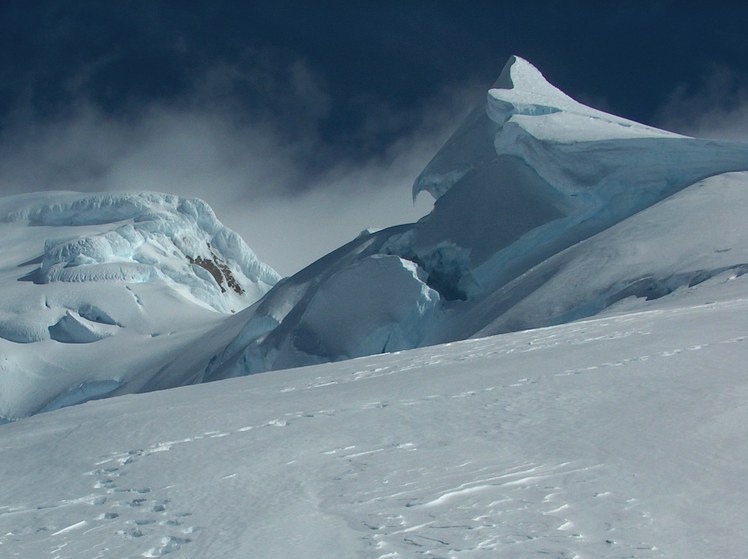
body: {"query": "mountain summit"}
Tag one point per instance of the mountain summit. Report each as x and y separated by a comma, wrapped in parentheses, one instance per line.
(102, 292)
(619, 435)
(547, 211)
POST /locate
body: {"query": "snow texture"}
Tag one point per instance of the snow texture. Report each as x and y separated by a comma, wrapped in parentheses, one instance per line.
(615, 437)
(600, 266)
(544, 211)
(104, 293)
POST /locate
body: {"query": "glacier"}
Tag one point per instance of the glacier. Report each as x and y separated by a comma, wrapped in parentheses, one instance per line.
(577, 305)
(157, 237)
(103, 293)
(538, 198)
(546, 211)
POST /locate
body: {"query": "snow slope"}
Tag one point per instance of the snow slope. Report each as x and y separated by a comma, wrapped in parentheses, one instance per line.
(620, 435)
(103, 293)
(546, 211)
(614, 437)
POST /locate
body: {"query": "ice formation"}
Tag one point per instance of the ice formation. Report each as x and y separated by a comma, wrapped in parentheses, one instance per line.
(152, 237)
(100, 291)
(537, 199)
(547, 211)
(581, 439)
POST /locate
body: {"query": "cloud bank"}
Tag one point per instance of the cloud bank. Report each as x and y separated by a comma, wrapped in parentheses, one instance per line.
(717, 107)
(248, 139)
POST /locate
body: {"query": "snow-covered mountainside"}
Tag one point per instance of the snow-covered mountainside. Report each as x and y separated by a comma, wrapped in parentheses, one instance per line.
(614, 437)
(103, 294)
(546, 211)
(612, 425)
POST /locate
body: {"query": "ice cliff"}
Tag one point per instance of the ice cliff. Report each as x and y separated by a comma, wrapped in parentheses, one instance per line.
(146, 237)
(544, 213)
(102, 292)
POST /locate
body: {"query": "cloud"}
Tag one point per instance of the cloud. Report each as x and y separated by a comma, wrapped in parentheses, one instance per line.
(247, 138)
(716, 108)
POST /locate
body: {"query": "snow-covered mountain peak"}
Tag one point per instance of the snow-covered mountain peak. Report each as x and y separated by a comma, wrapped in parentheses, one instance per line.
(523, 188)
(137, 238)
(547, 211)
(522, 91)
(520, 83)
(521, 109)
(129, 280)
(630, 243)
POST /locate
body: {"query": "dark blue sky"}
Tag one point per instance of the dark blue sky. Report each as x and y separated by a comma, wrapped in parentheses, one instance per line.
(335, 86)
(627, 55)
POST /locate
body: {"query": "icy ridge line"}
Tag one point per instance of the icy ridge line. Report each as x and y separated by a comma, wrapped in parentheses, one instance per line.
(529, 174)
(156, 237)
(546, 211)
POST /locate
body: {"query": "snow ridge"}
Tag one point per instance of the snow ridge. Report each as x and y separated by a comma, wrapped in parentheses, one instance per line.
(154, 237)
(529, 173)
(108, 294)
(546, 211)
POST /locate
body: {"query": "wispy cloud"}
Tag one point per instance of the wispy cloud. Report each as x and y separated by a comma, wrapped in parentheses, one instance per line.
(247, 138)
(716, 108)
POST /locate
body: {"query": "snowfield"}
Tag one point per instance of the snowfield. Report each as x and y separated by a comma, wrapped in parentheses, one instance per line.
(562, 368)
(106, 294)
(614, 437)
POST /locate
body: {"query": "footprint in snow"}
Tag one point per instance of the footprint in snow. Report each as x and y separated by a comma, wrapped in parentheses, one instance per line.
(168, 545)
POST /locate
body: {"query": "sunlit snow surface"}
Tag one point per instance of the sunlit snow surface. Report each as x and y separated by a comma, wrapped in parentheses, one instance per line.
(616, 437)
(546, 211)
(108, 293)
